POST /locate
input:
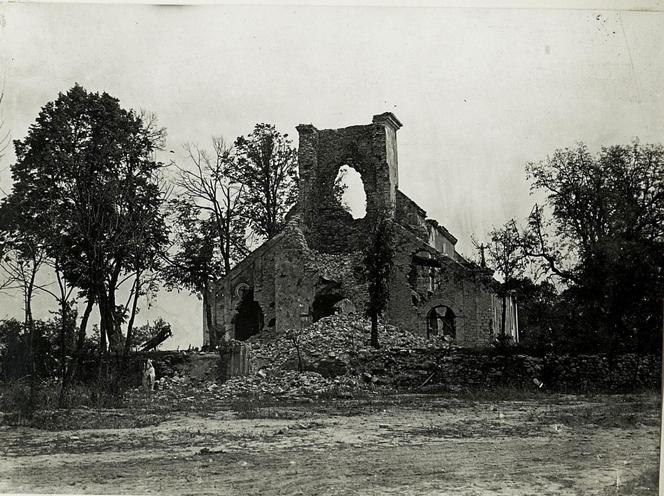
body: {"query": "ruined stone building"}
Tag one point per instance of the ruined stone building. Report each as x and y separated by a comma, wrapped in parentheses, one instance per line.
(310, 270)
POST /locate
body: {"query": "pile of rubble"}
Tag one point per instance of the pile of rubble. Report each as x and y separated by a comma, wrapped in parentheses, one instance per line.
(334, 346)
(292, 384)
(277, 384)
(331, 358)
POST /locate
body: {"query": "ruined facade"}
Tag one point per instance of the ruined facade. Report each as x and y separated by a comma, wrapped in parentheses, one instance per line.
(312, 268)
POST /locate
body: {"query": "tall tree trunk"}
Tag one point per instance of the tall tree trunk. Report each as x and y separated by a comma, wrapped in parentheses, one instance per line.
(63, 338)
(63, 323)
(80, 341)
(503, 316)
(228, 297)
(134, 306)
(29, 320)
(374, 330)
(207, 309)
(111, 333)
(104, 320)
(115, 338)
(113, 323)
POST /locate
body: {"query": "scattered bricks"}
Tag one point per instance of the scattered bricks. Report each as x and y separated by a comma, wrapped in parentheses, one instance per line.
(345, 339)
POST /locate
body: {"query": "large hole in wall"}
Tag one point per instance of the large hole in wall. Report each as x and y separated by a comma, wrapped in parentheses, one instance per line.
(327, 295)
(323, 305)
(249, 318)
(349, 189)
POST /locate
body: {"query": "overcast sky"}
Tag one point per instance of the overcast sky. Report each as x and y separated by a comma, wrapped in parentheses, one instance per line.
(480, 92)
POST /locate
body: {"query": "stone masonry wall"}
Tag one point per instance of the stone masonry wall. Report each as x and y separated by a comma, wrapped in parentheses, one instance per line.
(285, 276)
(461, 288)
(371, 151)
(321, 246)
(458, 370)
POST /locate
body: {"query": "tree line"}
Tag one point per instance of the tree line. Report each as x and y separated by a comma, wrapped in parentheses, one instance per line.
(587, 265)
(91, 204)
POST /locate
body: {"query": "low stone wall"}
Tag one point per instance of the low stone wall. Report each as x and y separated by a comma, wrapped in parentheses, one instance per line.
(452, 370)
(462, 369)
(593, 372)
(197, 366)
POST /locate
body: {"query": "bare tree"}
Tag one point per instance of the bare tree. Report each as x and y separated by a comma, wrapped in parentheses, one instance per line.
(4, 132)
(213, 205)
(208, 185)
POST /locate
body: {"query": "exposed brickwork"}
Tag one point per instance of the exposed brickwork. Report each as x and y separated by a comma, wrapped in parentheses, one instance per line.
(321, 246)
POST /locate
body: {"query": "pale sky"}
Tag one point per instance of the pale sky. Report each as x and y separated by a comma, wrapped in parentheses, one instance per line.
(480, 91)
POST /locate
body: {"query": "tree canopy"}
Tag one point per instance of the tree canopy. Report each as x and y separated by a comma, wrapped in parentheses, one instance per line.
(86, 179)
(604, 239)
(266, 164)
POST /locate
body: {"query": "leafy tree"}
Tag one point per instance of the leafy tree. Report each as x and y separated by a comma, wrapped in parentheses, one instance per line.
(541, 324)
(17, 351)
(605, 238)
(266, 165)
(378, 261)
(86, 175)
(507, 257)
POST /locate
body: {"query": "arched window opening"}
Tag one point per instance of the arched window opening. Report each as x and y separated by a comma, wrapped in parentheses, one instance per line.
(441, 322)
(249, 318)
(349, 189)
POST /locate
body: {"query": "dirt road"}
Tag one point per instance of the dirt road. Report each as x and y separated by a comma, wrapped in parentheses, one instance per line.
(404, 445)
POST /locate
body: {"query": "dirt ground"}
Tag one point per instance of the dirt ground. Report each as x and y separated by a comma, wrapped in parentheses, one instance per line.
(402, 444)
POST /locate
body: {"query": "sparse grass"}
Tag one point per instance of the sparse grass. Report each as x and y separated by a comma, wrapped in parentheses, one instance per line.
(623, 414)
(461, 430)
(646, 484)
(253, 409)
(64, 420)
(504, 393)
(25, 398)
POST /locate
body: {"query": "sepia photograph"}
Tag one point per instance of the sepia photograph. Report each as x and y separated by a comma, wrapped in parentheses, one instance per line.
(369, 248)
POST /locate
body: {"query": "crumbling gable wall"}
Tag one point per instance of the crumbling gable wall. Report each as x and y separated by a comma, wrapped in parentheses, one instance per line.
(284, 277)
(252, 278)
(371, 151)
(410, 215)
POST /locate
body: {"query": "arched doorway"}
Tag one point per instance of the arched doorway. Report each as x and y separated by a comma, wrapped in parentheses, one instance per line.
(440, 322)
(249, 318)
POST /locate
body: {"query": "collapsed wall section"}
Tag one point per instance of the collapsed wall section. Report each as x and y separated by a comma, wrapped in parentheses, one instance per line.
(313, 267)
(285, 285)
